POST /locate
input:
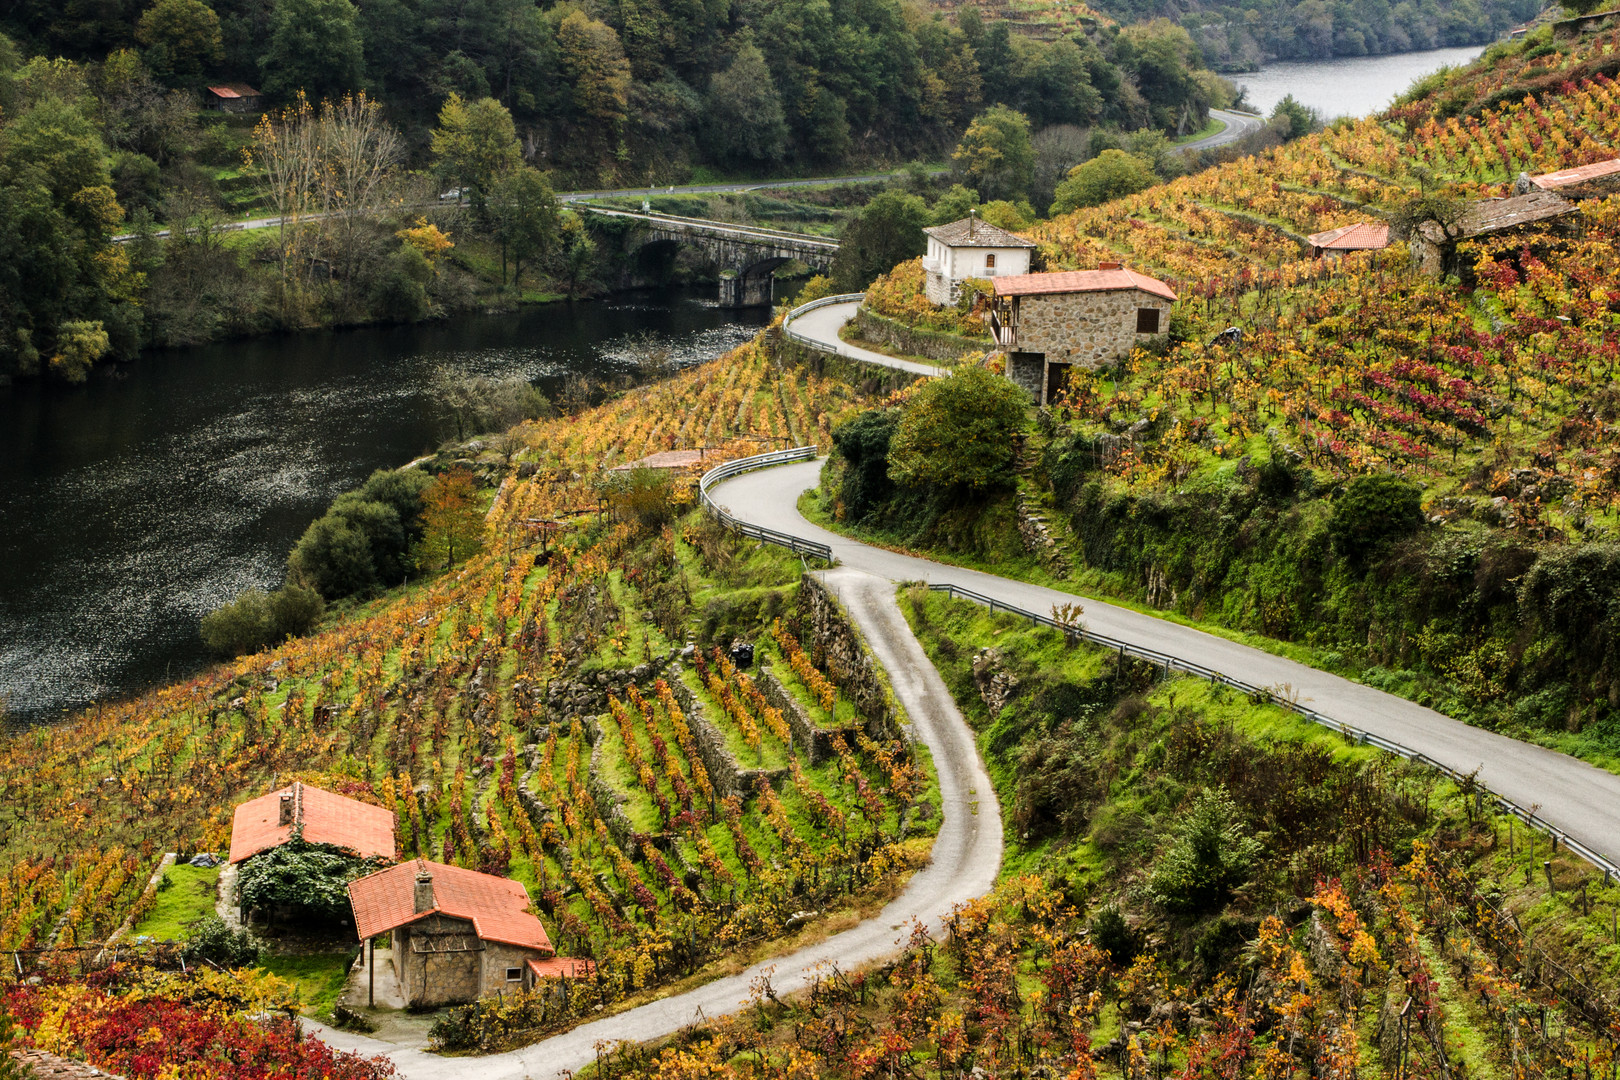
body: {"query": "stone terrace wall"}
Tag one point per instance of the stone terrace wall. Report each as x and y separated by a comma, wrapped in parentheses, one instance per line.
(913, 341)
(817, 741)
(849, 663)
(1089, 328)
(725, 772)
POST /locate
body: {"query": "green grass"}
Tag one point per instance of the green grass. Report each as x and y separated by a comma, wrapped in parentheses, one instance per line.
(189, 897)
(319, 978)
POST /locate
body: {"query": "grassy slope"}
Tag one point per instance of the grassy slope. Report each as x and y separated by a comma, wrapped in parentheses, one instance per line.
(190, 896)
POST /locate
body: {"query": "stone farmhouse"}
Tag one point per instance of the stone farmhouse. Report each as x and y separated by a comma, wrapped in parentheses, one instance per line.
(1592, 181)
(1047, 323)
(970, 248)
(320, 817)
(1362, 236)
(456, 934)
(1434, 249)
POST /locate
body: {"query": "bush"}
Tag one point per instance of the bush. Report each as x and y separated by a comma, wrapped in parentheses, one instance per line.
(959, 431)
(257, 618)
(312, 878)
(1212, 854)
(646, 496)
(334, 557)
(212, 941)
(1112, 174)
(1373, 511)
(863, 443)
(1114, 936)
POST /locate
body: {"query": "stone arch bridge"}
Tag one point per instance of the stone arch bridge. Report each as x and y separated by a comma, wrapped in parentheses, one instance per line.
(748, 253)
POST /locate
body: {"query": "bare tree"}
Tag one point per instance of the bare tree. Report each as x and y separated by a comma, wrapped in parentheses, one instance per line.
(360, 151)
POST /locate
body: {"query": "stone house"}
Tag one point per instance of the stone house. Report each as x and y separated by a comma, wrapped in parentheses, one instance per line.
(1047, 323)
(319, 816)
(970, 248)
(1594, 181)
(1362, 236)
(235, 98)
(1519, 217)
(456, 934)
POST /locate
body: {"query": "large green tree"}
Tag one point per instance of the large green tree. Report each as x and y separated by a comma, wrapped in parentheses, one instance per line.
(182, 37)
(996, 154)
(1112, 174)
(314, 46)
(526, 218)
(959, 431)
(745, 124)
(474, 146)
(889, 230)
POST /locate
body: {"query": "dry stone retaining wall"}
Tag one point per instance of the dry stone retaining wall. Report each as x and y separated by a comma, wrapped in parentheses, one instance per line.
(725, 772)
(848, 661)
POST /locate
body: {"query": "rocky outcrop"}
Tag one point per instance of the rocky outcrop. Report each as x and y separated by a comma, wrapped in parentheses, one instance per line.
(587, 694)
(996, 685)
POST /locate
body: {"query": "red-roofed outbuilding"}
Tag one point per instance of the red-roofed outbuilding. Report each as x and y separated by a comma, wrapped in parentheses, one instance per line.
(456, 934)
(325, 817)
(1362, 236)
(1047, 323)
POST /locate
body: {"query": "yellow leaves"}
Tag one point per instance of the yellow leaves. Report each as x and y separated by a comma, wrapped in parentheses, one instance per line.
(426, 238)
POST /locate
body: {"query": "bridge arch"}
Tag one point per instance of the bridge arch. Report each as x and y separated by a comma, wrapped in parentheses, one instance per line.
(752, 285)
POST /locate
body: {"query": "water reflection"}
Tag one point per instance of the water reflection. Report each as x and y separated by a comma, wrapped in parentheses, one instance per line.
(132, 506)
(1347, 85)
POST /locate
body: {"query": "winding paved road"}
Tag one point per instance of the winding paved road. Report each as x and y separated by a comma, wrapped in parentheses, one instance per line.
(1237, 126)
(966, 859)
(821, 325)
(1578, 798)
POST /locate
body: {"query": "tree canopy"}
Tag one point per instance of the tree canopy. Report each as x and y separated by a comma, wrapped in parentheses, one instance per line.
(959, 430)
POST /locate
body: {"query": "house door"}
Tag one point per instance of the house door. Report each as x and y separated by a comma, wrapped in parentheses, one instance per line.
(1056, 375)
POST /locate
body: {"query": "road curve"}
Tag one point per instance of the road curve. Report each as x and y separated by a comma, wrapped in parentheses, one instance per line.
(966, 858)
(1580, 799)
(1238, 125)
(822, 324)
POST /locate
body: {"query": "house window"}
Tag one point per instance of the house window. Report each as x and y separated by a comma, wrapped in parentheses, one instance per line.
(1147, 320)
(514, 974)
(990, 261)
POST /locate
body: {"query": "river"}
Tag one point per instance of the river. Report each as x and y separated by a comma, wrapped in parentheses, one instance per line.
(1347, 85)
(133, 505)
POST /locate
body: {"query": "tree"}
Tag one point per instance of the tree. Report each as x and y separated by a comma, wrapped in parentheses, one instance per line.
(744, 121)
(863, 443)
(598, 74)
(334, 558)
(959, 431)
(1211, 855)
(315, 47)
(181, 36)
(1290, 119)
(453, 526)
(257, 618)
(475, 145)
(887, 231)
(79, 344)
(996, 154)
(1112, 174)
(526, 217)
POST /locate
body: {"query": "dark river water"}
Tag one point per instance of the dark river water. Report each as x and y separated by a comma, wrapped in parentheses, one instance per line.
(133, 505)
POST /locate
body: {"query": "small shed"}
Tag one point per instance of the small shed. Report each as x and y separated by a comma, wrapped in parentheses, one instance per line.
(319, 816)
(1592, 181)
(670, 460)
(970, 248)
(1362, 236)
(1046, 323)
(1434, 249)
(456, 934)
(235, 98)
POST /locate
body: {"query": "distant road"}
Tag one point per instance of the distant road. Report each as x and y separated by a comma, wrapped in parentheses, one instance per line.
(1237, 126)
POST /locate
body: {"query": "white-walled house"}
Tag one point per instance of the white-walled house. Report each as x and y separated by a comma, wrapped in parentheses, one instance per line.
(970, 248)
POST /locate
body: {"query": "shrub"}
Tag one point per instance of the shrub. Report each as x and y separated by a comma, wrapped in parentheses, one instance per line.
(212, 941)
(1212, 854)
(312, 878)
(1373, 511)
(646, 496)
(1114, 936)
(257, 618)
(1112, 174)
(959, 431)
(334, 557)
(863, 443)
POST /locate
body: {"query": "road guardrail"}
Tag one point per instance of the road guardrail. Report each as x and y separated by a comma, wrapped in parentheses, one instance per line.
(826, 301)
(1167, 661)
(795, 544)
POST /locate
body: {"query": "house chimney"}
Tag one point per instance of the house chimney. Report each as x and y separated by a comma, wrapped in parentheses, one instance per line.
(1110, 266)
(424, 892)
(286, 817)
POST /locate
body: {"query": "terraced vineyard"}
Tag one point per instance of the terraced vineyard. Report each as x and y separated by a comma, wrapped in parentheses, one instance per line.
(524, 714)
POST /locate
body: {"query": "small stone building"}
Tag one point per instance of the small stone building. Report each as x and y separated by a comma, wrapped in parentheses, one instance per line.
(322, 817)
(1362, 236)
(235, 98)
(970, 248)
(1594, 181)
(457, 935)
(1434, 249)
(1047, 323)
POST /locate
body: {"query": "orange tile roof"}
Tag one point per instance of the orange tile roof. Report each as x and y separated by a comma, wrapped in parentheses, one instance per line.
(1565, 177)
(497, 907)
(1074, 281)
(233, 90)
(1358, 237)
(327, 818)
(561, 967)
(664, 459)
